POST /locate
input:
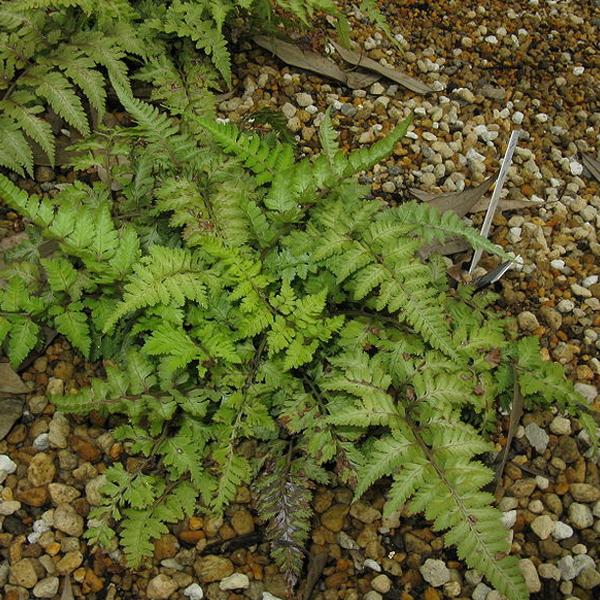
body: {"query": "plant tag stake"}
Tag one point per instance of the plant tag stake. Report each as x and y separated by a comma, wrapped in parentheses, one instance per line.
(489, 215)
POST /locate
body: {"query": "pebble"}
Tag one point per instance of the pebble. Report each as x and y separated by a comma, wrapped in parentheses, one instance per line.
(537, 437)
(364, 513)
(303, 99)
(67, 520)
(41, 469)
(435, 572)
(334, 517)
(530, 574)
(509, 518)
(570, 566)
(565, 306)
(242, 522)
(9, 507)
(235, 581)
(588, 391)
(381, 584)
(481, 592)
(560, 426)
(58, 431)
(543, 526)
(373, 565)
(194, 592)
(584, 492)
(549, 571)
(161, 587)
(588, 579)
(46, 588)
(23, 573)
(211, 568)
(561, 531)
(580, 515)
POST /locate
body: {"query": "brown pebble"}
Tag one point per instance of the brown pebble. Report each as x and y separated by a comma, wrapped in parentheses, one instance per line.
(86, 449)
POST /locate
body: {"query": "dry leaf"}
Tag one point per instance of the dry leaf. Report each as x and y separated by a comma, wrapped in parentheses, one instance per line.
(470, 200)
(451, 246)
(460, 202)
(516, 413)
(311, 61)
(316, 564)
(360, 60)
(67, 593)
(10, 382)
(592, 165)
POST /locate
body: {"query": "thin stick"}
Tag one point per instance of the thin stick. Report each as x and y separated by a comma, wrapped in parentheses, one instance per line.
(489, 215)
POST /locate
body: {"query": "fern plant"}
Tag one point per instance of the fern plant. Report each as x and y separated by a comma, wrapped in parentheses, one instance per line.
(262, 323)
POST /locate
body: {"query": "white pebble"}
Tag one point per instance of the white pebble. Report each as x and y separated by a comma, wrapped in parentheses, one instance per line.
(193, 592)
(562, 531)
(373, 565)
(491, 39)
(566, 306)
(509, 518)
(575, 168)
(237, 581)
(578, 70)
(518, 117)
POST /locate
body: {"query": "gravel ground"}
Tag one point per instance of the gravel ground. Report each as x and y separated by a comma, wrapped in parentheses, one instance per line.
(495, 67)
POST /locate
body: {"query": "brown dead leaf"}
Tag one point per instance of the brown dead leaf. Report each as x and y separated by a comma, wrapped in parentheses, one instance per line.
(316, 564)
(67, 592)
(516, 413)
(361, 60)
(592, 165)
(470, 200)
(10, 382)
(311, 61)
(451, 246)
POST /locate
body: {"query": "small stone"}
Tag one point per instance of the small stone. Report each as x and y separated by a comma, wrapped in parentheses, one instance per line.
(588, 391)
(7, 466)
(92, 490)
(236, 581)
(509, 518)
(580, 515)
(518, 117)
(334, 517)
(562, 531)
(161, 587)
(530, 574)
(381, 584)
(549, 571)
(435, 572)
(242, 522)
(527, 321)
(303, 99)
(348, 110)
(377, 89)
(523, 488)
(194, 592)
(537, 437)
(41, 442)
(481, 592)
(67, 520)
(452, 589)
(373, 565)
(46, 588)
(58, 431)
(565, 306)
(213, 568)
(55, 387)
(570, 566)
(560, 426)
(346, 542)
(588, 579)
(41, 469)
(69, 562)
(62, 494)
(9, 507)
(364, 513)
(23, 573)
(584, 492)
(567, 449)
(289, 110)
(543, 526)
